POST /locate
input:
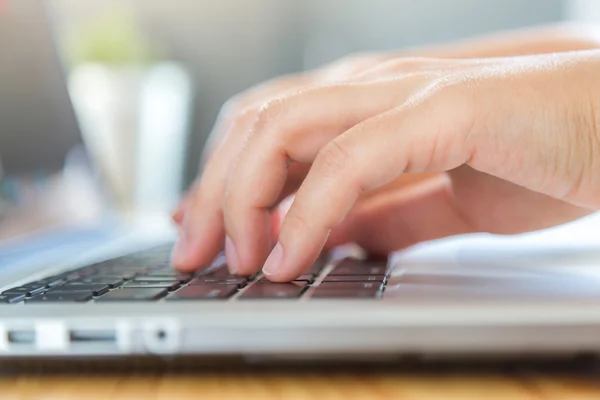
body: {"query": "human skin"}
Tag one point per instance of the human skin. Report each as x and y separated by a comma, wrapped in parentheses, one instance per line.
(497, 135)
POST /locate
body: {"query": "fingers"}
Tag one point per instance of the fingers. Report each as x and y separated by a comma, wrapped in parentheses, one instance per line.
(429, 135)
(202, 232)
(228, 136)
(249, 102)
(295, 128)
(199, 216)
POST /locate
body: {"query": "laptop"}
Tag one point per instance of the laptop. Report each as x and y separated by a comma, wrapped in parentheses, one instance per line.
(85, 290)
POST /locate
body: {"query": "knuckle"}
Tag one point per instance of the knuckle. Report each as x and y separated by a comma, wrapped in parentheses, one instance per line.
(277, 111)
(245, 116)
(448, 93)
(270, 112)
(296, 220)
(401, 68)
(332, 158)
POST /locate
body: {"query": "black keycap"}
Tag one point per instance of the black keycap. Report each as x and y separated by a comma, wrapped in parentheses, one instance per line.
(112, 282)
(11, 298)
(166, 277)
(214, 274)
(354, 278)
(125, 271)
(173, 285)
(239, 281)
(324, 293)
(27, 291)
(34, 285)
(302, 278)
(358, 267)
(350, 285)
(48, 282)
(274, 291)
(61, 297)
(203, 292)
(94, 289)
(138, 294)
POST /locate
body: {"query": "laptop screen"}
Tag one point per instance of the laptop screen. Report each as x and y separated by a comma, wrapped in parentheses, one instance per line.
(44, 178)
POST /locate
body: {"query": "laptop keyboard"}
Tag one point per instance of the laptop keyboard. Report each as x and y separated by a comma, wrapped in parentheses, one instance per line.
(148, 276)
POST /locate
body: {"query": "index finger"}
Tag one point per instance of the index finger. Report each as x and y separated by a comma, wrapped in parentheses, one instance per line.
(293, 129)
(430, 136)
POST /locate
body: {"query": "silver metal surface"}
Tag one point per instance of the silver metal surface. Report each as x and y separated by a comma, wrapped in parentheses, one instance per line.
(457, 321)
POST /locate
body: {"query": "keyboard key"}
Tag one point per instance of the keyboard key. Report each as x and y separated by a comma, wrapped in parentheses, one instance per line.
(61, 297)
(137, 294)
(11, 298)
(350, 285)
(125, 273)
(324, 293)
(34, 285)
(183, 278)
(355, 278)
(94, 289)
(302, 278)
(358, 267)
(221, 272)
(172, 285)
(203, 292)
(112, 282)
(169, 272)
(239, 281)
(48, 282)
(274, 290)
(27, 291)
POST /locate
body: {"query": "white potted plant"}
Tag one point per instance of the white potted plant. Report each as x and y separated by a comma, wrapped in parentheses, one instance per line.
(134, 108)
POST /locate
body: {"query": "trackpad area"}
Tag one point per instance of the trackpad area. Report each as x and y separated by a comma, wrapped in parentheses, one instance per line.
(438, 281)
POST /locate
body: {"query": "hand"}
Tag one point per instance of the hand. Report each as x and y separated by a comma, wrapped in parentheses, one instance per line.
(512, 141)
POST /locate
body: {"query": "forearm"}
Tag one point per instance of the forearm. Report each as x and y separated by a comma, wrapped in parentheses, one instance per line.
(547, 39)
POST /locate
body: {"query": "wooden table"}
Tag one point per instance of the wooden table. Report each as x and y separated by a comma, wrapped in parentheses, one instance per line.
(301, 385)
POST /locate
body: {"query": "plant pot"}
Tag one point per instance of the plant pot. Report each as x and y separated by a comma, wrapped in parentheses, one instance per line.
(135, 122)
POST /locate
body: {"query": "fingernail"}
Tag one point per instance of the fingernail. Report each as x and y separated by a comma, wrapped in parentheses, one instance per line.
(273, 262)
(231, 255)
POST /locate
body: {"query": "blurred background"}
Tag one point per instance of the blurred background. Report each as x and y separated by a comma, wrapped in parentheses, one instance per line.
(229, 45)
(147, 77)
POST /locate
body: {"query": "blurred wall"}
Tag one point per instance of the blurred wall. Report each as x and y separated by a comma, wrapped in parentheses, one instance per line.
(583, 10)
(232, 44)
